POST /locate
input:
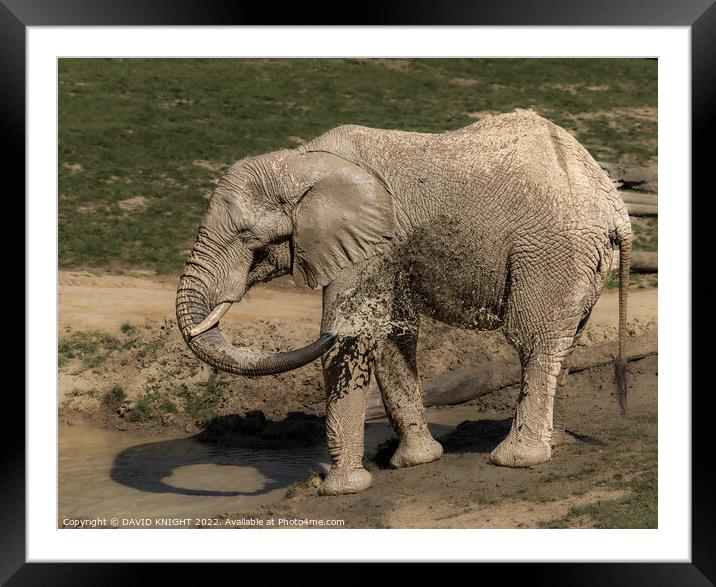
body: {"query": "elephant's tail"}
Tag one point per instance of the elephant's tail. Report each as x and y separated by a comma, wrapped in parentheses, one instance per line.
(624, 240)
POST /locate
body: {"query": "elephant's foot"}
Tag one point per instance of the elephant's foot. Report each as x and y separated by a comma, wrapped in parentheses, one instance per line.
(343, 481)
(518, 452)
(416, 450)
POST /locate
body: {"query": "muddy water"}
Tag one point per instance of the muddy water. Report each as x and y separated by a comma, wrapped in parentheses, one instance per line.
(105, 474)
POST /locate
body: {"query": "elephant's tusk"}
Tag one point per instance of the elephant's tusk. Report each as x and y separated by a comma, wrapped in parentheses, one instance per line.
(213, 317)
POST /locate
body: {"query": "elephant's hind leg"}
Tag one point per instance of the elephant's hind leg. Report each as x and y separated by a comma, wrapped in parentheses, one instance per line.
(559, 435)
(559, 419)
(543, 331)
(529, 441)
(397, 376)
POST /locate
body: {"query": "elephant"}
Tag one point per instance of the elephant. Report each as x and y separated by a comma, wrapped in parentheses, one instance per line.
(508, 223)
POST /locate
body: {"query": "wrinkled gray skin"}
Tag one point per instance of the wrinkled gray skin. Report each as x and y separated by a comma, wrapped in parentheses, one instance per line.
(505, 224)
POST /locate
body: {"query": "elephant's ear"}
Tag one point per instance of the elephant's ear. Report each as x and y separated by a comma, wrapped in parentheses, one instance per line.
(346, 217)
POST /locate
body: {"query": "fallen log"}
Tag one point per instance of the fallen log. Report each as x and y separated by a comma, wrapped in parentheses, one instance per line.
(641, 209)
(640, 204)
(467, 384)
(635, 198)
(633, 177)
(636, 348)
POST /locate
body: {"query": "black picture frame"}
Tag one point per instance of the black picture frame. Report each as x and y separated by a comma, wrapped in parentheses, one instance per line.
(16, 15)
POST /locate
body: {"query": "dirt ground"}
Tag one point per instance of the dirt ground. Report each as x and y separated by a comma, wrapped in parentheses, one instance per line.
(123, 365)
(605, 457)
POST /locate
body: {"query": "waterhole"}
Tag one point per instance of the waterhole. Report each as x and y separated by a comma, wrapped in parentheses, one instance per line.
(104, 473)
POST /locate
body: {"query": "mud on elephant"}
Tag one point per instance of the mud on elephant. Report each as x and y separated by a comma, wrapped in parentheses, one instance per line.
(505, 224)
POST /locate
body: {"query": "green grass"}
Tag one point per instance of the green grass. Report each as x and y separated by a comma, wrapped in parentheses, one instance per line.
(140, 411)
(646, 236)
(114, 397)
(150, 404)
(637, 509)
(638, 280)
(635, 474)
(141, 139)
(92, 347)
(201, 402)
(92, 350)
(487, 500)
(128, 328)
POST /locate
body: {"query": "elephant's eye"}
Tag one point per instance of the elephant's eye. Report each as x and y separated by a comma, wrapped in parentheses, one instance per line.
(249, 238)
(241, 228)
(241, 220)
(237, 225)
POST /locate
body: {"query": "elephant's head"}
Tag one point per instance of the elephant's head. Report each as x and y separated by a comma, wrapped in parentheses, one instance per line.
(312, 209)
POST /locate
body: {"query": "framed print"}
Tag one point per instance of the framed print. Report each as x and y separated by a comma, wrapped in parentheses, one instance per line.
(430, 241)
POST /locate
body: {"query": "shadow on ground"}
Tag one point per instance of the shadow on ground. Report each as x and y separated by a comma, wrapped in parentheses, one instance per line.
(476, 436)
(269, 447)
(283, 452)
(468, 436)
(483, 436)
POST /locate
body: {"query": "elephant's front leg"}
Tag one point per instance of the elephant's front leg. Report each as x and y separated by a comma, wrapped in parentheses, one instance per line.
(346, 371)
(346, 375)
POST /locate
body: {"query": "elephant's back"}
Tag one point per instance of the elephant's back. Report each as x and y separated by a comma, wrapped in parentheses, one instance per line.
(517, 163)
(533, 166)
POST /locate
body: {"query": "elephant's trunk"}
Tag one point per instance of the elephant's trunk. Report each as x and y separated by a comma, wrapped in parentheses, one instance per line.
(198, 323)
